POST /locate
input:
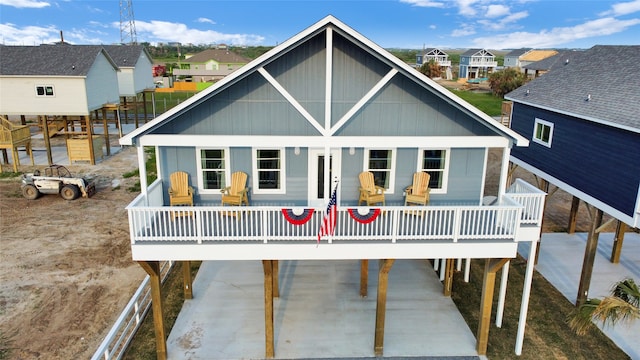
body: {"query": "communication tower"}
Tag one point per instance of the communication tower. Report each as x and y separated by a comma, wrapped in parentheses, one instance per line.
(127, 23)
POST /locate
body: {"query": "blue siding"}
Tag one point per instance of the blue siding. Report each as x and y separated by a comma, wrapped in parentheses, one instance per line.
(598, 160)
(404, 108)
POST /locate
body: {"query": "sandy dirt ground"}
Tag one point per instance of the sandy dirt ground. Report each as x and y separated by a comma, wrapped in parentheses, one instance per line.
(65, 266)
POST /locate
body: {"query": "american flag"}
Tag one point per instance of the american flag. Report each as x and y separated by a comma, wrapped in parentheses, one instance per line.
(329, 220)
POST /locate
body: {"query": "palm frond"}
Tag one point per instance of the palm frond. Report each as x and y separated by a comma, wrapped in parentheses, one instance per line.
(580, 320)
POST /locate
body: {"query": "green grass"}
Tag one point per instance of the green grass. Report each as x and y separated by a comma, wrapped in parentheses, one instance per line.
(488, 103)
(150, 166)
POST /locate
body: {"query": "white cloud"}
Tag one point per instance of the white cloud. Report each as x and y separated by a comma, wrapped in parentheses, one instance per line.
(164, 31)
(28, 35)
(432, 26)
(424, 3)
(556, 36)
(494, 11)
(623, 8)
(25, 3)
(205, 20)
(465, 30)
(465, 7)
(502, 23)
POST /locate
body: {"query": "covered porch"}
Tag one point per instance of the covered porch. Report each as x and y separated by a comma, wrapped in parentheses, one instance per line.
(387, 235)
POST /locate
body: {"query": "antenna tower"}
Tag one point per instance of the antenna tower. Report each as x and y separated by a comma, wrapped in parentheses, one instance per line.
(127, 23)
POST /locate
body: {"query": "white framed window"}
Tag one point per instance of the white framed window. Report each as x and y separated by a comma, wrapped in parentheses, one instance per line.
(213, 169)
(542, 132)
(435, 162)
(382, 164)
(269, 176)
(44, 90)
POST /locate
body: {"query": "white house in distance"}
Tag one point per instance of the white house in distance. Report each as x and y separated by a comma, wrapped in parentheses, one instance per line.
(60, 84)
(210, 65)
(476, 63)
(303, 122)
(437, 55)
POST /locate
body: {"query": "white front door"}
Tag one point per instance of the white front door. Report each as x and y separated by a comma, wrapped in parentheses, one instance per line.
(317, 188)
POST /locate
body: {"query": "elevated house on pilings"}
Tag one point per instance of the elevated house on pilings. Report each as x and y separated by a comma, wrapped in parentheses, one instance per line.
(302, 122)
(61, 86)
(583, 121)
(135, 81)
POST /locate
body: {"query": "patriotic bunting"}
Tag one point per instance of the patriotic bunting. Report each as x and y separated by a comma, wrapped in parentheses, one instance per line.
(364, 219)
(296, 219)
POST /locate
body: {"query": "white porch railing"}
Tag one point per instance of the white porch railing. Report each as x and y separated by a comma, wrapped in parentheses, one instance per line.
(115, 343)
(531, 198)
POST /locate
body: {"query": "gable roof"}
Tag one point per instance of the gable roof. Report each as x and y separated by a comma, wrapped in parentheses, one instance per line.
(126, 55)
(50, 60)
(517, 52)
(223, 56)
(600, 85)
(434, 51)
(472, 52)
(356, 39)
(537, 55)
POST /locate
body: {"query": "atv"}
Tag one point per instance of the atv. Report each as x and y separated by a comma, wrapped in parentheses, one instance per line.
(56, 180)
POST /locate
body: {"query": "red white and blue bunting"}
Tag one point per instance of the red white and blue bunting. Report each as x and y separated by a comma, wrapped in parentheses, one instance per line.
(297, 218)
(366, 218)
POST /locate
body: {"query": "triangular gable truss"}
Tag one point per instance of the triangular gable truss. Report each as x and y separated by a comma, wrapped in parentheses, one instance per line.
(324, 126)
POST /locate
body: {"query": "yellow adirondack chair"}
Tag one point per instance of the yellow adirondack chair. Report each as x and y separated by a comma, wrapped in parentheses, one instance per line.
(418, 192)
(180, 193)
(236, 194)
(370, 193)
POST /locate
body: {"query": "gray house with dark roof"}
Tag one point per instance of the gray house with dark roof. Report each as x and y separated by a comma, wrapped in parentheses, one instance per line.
(583, 120)
(512, 58)
(540, 67)
(134, 65)
(56, 79)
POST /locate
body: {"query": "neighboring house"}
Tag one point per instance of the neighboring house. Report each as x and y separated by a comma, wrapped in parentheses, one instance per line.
(135, 73)
(437, 55)
(61, 84)
(476, 63)
(56, 79)
(540, 67)
(512, 58)
(303, 121)
(211, 65)
(582, 120)
(135, 76)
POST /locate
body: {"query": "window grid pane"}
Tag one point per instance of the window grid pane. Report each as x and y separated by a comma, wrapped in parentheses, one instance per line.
(433, 163)
(213, 168)
(380, 167)
(269, 169)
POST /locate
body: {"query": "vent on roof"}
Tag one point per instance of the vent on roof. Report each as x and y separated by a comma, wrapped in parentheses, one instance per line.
(566, 61)
(588, 97)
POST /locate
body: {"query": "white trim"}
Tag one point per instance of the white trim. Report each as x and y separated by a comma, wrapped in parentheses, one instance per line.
(575, 192)
(282, 170)
(291, 100)
(199, 169)
(321, 141)
(311, 251)
(363, 101)
(445, 171)
(328, 79)
(577, 116)
(535, 137)
(392, 166)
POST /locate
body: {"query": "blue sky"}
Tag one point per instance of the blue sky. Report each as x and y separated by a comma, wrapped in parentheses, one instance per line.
(413, 24)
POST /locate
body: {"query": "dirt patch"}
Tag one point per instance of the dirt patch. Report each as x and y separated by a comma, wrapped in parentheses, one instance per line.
(65, 266)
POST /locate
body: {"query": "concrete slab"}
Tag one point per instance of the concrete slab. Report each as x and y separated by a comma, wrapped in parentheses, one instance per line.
(319, 313)
(560, 262)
